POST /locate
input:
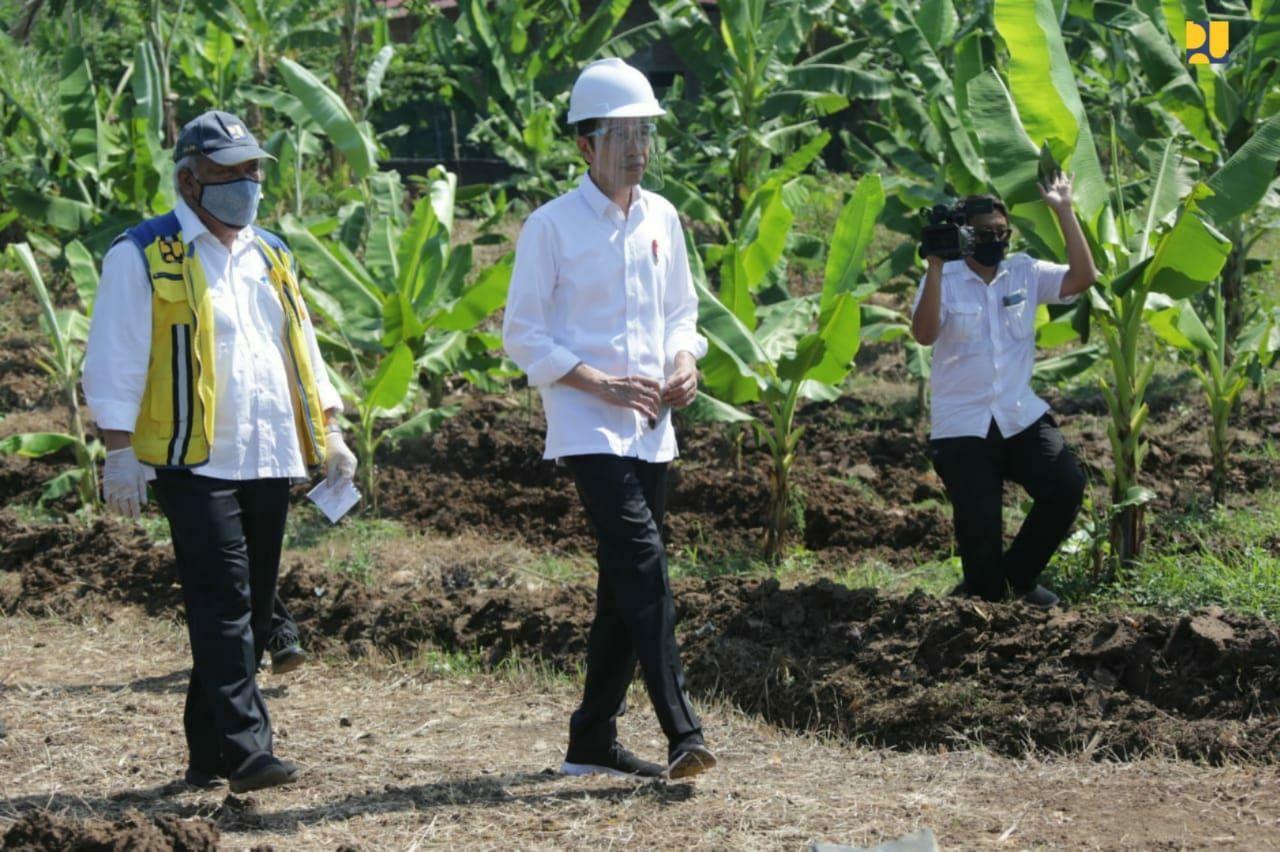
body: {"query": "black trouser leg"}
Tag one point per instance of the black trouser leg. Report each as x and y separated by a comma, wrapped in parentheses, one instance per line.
(970, 469)
(1038, 459)
(635, 613)
(227, 536)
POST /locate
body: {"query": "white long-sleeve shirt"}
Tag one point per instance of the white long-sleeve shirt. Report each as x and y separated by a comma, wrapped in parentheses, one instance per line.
(986, 346)
(254, 434)
(614, 292)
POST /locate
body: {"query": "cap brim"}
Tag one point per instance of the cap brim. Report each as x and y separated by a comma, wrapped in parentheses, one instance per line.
(237, 155)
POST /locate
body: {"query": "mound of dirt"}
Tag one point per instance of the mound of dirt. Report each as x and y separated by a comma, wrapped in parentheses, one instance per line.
(60, 565)
(920, 672)
(860, 481)
(41, 830)
(454, 613)
(912, 672)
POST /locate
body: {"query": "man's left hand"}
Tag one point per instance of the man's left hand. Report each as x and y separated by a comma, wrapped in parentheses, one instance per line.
(682, 384)
(1056, 192)
(339, 462)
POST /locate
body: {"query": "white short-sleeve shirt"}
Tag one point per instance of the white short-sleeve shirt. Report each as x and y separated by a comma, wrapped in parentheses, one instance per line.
(986, 346)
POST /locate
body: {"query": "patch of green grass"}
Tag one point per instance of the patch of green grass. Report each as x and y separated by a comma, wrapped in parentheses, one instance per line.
(473, 662)
(690, 562)
(353, 542)
(937, 577)
(559, 569)
(1226, 556)
(307, 527)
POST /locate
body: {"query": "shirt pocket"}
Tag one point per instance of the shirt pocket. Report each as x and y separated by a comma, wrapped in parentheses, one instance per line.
(964, 323)
(1019, 318)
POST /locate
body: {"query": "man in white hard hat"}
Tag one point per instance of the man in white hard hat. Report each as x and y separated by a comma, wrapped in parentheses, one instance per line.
(602, 317)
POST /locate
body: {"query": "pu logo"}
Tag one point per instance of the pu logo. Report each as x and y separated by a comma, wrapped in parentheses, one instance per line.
(170, 250)
(236, 131)
(1207, 42)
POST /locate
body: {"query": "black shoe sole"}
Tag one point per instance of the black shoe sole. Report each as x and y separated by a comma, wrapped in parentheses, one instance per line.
(694, 761)
(287, 661)
(272, 776)
(583, 769)
(203, 780)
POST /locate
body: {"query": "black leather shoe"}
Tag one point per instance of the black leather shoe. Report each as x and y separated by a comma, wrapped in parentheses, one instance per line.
(262, 770)
(617, 761)
(286, 653)
(203, 779)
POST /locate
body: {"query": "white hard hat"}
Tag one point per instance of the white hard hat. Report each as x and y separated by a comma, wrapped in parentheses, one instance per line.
(610, 88)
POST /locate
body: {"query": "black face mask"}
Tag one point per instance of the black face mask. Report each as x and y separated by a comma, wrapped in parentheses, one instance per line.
(990, 254)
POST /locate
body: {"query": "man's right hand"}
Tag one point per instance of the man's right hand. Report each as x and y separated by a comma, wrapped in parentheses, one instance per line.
(124, 482)
(635, 392)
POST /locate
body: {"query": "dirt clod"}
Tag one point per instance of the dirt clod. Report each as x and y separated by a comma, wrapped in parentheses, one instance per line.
(41, 830)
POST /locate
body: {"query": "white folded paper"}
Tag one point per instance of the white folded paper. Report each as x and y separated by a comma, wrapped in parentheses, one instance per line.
(334, 500)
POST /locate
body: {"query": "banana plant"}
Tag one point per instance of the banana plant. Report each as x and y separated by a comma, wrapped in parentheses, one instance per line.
(66, 332)
(86, 162)
(1220, 108)
(763, 89)
(512, 64)
(402, 311)
(1173, 250)
(781, 353)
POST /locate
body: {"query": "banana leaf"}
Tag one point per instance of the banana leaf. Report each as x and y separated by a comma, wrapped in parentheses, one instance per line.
(331, 114)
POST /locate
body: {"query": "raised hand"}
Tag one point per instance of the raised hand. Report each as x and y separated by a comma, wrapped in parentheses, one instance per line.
(1057, 192)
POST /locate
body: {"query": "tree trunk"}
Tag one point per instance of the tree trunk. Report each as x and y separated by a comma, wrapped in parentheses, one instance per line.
(1127, 531)
(347, 58)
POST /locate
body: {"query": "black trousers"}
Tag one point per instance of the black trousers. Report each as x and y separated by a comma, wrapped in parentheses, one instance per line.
(227, 536)
(625, 499)
(974, 471)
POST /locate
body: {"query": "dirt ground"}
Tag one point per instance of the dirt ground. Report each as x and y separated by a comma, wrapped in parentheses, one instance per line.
(913, 672)
(403, 755)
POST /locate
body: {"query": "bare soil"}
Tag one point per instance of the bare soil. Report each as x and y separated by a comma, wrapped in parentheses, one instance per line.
(405, 755)
(865, 481)
(913, 672)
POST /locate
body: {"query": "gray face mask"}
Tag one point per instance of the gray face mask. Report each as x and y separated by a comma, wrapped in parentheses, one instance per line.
(234, 203)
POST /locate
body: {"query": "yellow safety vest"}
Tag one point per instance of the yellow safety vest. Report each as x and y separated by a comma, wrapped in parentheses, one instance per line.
(175, 422)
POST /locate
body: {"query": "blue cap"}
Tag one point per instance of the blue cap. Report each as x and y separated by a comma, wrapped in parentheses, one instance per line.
(221, 137)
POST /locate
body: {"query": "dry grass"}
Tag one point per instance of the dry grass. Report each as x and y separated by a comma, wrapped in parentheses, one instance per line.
(94, 717)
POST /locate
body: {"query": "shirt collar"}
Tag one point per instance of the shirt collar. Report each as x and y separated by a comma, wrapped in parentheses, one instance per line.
(600, 203)
(193, 228)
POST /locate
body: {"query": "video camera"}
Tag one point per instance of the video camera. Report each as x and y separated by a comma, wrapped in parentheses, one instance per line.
(948, 235)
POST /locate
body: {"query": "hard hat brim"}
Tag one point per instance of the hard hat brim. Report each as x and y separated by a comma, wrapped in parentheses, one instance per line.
(627, 111)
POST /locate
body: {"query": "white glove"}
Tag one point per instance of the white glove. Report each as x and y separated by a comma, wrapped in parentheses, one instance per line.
(124, 482)
(340, 462)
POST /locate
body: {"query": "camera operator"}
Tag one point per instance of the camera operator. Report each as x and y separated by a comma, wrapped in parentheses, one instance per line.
(978, 311)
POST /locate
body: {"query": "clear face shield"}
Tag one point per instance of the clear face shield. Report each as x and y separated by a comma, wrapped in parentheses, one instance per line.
(625, 152)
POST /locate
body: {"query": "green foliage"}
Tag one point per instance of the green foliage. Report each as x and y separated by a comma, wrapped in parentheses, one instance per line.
(65, 333)
(778, 353)
(762, 90)
(403, 310)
